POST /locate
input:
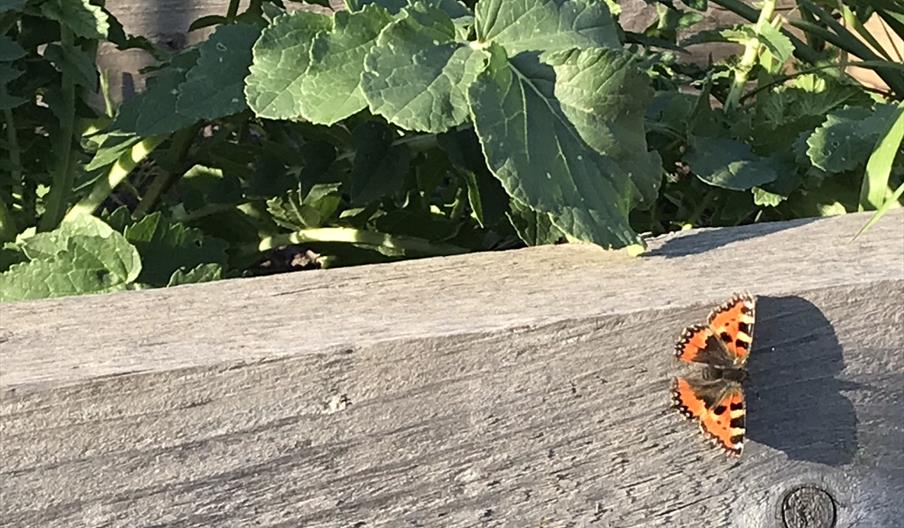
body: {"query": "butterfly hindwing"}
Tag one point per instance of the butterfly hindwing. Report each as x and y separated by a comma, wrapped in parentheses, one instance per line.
(718, 406)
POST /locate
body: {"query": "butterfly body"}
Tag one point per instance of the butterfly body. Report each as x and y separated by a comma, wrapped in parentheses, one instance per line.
(716, 398)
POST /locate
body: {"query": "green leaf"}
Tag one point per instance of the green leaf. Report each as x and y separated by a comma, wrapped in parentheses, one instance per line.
(728, 164)
(88, 265)
(891, 202)
(606, 96)
(763, 197)
(112, 146)
(776, 42)
(214, 87)
(535, 151)
(46, 245)
(10, 50)
(166, 247)
(488, 199)
(379, 168)
(847, 137)
(417, 75)
(82, 18)
(453, 8)
(198, 274)
(83, 255)
(393, 6)
(533, 227)
(545, 25)
(318, 206)
(154, 112)
(874, 189)
(281, 57)
(331, 87)
(208, 187)
(74, 59)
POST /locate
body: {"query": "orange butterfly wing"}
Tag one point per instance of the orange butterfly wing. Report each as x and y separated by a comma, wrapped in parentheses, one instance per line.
(725, 341)
(717, 406)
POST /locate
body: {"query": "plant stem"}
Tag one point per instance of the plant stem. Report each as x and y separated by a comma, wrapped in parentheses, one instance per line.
(738, 7)
(123, 166)
(232, 10)
(701, 207)
(12, 140)
(172, 163)
(748, 60)
(63, 177)
(357, 236)
(8, 229)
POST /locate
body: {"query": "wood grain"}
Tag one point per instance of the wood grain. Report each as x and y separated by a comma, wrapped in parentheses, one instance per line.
(524, 388)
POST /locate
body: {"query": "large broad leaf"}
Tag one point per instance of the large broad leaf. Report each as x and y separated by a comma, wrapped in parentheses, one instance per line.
(541, 158)
(418, 74)
(214, 87)
(83, 255)
(88, 265)
(154, 111)
(545, 25)
(454, 8)
(606, 96)
(46, 245)
(847, 137)
(729, 164)
(281, 57)
(379, 168)
(331, 88)
(166, 247)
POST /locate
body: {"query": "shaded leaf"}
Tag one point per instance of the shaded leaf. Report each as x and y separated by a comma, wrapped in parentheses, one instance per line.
(198, 274)
(729, 164)
(605, 96)
(847, 137)
(535, 151)
(379, 169)
(154, 111)
(82, 18)
(166, 247)
(10, 50)
(214, 86)
(533, 227)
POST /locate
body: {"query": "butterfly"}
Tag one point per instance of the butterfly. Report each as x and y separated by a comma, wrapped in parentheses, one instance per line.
(716, 399)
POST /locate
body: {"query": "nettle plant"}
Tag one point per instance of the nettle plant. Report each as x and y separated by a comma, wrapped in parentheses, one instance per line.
(409, 128)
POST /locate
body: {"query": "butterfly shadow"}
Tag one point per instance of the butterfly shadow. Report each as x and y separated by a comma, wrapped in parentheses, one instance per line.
(794, 397)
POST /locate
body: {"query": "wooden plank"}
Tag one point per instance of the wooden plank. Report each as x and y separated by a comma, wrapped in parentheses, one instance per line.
(525, 388)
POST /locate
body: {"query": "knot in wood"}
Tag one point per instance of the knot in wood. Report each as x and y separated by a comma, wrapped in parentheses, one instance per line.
(808, 507)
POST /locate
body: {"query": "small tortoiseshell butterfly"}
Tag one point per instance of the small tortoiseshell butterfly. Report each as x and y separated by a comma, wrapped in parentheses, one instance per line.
(716, 400)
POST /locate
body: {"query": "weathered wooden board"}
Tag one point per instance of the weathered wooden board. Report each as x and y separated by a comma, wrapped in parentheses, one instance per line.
(525, 388)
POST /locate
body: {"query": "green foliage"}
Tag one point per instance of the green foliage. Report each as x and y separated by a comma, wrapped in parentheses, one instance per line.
(410, 128)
